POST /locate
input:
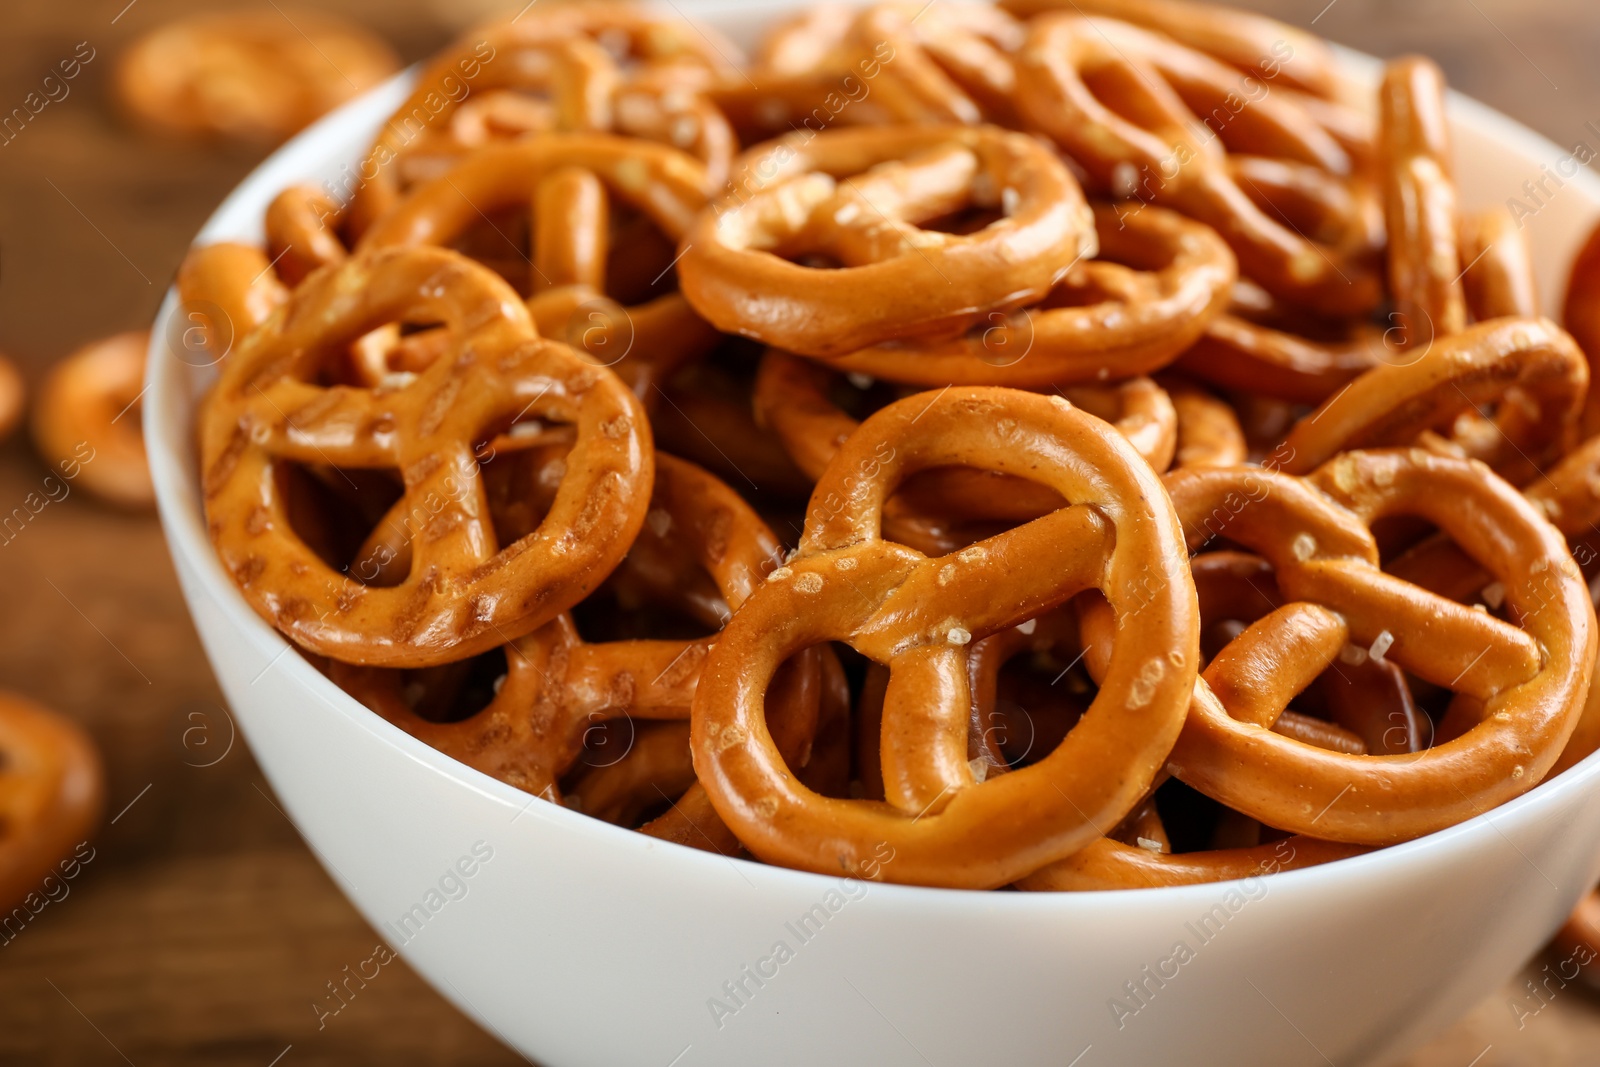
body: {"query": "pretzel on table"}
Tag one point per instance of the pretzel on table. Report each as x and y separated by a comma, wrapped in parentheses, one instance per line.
(250, 75)
(1161, 158)
(52, 791)
(858, 197)
(86, 418)
(917, 615)
(464, 593)
(13, 393)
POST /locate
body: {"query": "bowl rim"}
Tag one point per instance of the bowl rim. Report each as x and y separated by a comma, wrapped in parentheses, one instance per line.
(179, 508)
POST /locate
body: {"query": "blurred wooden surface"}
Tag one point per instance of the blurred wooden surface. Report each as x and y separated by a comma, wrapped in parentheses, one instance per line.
(204, 929)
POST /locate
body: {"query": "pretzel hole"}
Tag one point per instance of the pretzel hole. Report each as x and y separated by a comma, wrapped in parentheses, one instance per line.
(639, 263)
(387, 357)
(1194, 822)
(1039, 698)
(454, 692)
(642, 785)
(499, 240)
(969, 220)
(333, 511)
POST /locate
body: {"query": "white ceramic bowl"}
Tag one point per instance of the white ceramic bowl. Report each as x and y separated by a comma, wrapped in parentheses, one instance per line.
(579, 943)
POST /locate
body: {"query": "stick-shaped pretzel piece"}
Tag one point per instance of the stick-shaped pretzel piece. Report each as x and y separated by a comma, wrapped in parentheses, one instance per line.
(464, 593)
(859, 198)
(917, 616)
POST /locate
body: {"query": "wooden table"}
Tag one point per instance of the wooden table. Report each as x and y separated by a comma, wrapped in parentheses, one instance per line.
(204, 930)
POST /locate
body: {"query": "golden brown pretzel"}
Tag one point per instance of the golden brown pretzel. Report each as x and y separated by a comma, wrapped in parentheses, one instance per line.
(559, 689)
(465, 593)
(1420, 203)
(573, 180)
(86, 419)
(250, 75)
(918, 615)
(1274, 51)
(226, 290)
(302, 232)
(1155, 284)
(1580, 313)
(577, 53)
(1578, 940)
(1532, 360)
(1107, 863)
(884, 64)
(1498, 271)
(1237, 353)
(12, 395)
(1315, 534)
(1209, 434)
(1069, 61)
(791, 399)
(1233, 589)
(52, 789)
(860, 197)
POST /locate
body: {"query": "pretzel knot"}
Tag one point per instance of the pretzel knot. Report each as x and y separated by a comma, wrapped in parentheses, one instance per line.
(572, 180)
(917, 616)
(553, 67)
(858, 199)
(463, 593)
(559, 689)
(1119, 100)
(1315, 533)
